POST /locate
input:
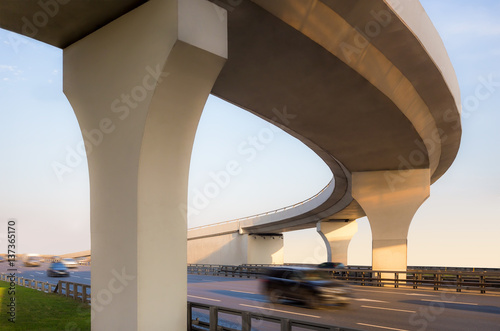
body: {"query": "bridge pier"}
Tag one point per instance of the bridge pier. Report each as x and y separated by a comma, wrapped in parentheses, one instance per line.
(337, 235)
(390, 199)
(234, 248)
(138, 86)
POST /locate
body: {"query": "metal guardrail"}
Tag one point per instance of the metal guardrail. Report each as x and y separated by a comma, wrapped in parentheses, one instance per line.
(29, 283)
(437, 279)
(266, 213)
(213, 323)
(242, 271)
(77, 291)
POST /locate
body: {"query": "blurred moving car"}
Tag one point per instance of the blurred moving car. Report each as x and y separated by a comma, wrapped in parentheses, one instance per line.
(83, 260)
(57, 269)
(312, 286)
(331, 265)
(32, 260)
(69, 262)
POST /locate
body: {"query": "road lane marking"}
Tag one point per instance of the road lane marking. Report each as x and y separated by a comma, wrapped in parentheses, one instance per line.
(383, 308)
(371, 300)
(243, 292)
(381, 327)
(280, 311)
(194, 296)
(458, 303)
(38, 272)
(395, 292)
(421, 295)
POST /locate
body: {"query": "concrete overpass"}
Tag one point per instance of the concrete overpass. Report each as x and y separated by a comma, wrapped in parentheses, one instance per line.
(367, 85)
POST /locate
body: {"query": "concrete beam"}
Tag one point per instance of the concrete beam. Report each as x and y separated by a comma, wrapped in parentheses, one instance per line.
(390, 200)
(138, 87)
(235, 249)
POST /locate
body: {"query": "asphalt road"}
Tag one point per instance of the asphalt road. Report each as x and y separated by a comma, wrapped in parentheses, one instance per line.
(372, 308)
(78, 275)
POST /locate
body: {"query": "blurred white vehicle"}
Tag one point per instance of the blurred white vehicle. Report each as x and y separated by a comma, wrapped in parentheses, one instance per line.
(69, 262)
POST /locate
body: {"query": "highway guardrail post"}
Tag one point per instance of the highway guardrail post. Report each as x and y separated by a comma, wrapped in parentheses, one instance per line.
(246, 321)
(437, 280)
(189, 316)
(285, 325)
(214, 318)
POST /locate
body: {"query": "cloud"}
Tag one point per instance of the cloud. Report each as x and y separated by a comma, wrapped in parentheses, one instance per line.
(8, 71)
(4, 67)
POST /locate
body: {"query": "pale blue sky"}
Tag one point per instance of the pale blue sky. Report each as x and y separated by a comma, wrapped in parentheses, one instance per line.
(458, 225)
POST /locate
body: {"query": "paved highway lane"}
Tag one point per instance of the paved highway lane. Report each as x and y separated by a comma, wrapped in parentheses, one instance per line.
(371, 309)
(78, 275)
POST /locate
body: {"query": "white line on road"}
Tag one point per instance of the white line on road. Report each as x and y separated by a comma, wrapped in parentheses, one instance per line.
(381, 327)
(243, 292)
(40, 273)
(458, 303)
(280, 311)
(194, 296)
(371, 300)
(395, 292)
(400, 310)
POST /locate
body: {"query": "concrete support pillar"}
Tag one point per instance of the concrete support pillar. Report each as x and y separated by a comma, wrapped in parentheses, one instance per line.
(138, 87)
(337, 235)
(265, 249)
(390, 199)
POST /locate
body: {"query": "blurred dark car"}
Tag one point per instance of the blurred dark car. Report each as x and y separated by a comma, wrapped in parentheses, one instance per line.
(57, 269)
(312, 286)
(331, 265)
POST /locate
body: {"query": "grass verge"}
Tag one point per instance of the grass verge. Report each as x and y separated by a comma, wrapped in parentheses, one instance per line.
(38, 311)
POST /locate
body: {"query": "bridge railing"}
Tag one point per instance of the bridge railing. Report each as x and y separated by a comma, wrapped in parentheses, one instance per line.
(266, 213)
(481, 281)
(210, 320)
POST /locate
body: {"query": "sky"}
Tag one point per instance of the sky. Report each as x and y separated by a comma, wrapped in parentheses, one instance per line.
(459, 225)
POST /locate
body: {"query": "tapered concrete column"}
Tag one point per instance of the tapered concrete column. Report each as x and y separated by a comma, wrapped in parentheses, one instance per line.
(390, 199)
(337, 235)
(138, 87)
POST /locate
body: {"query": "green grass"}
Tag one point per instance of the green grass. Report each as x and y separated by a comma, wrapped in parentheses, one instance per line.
(38, 311)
